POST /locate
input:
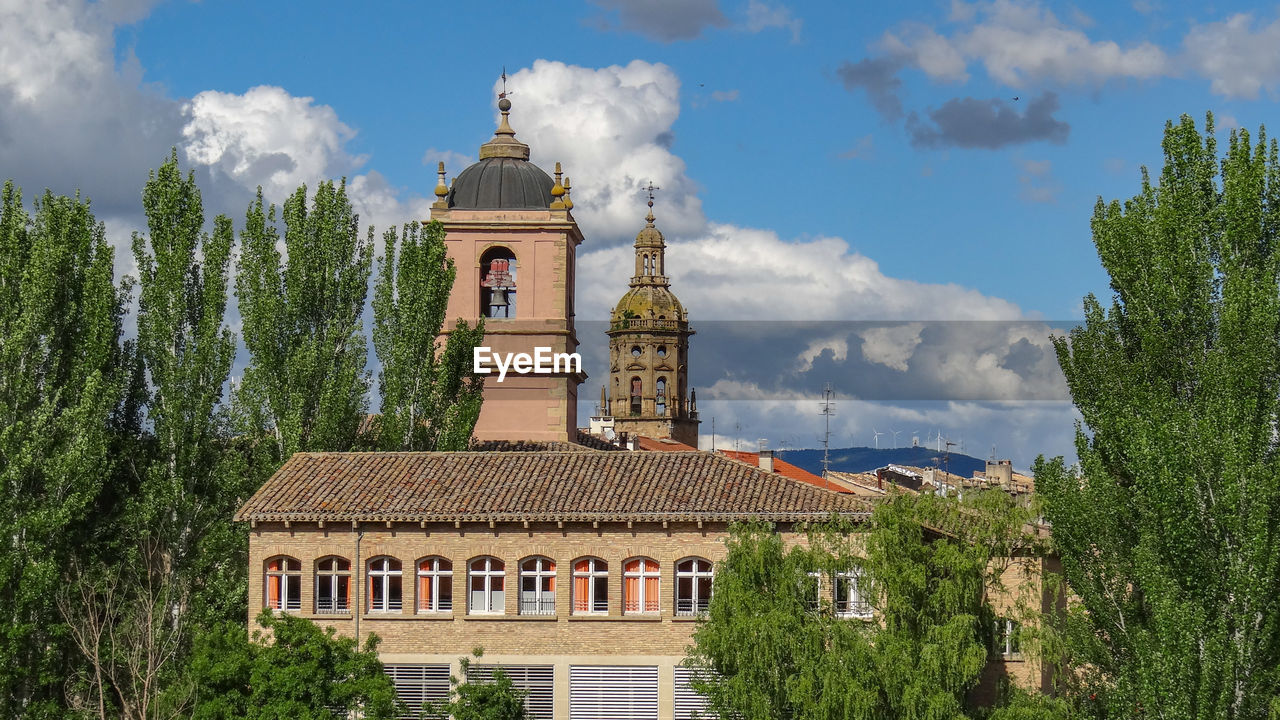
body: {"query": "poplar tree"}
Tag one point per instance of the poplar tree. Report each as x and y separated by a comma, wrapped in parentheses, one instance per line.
(61, 383)
(185, 351)
(430, 395)
(305, 387)
(1168, 529)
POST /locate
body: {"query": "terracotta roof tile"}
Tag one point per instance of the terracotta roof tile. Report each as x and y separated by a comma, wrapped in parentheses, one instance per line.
(535, 486)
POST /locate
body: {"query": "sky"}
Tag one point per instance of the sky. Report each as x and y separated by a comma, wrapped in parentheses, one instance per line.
(890, 197)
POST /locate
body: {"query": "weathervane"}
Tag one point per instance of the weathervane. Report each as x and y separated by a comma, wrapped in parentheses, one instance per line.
(504, 92)
(651, 188)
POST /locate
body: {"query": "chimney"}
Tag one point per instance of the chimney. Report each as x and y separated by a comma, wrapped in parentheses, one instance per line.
(1001, 472)
(766, 460)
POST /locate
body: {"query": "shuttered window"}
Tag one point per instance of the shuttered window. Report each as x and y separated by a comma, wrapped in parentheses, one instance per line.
(688, 702)
(418, 685)
(537, 681)
(613, 692)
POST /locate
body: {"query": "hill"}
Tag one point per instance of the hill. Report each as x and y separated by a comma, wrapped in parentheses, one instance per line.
(865, 459)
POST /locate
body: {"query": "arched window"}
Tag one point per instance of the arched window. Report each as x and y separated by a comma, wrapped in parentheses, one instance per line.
(636, 388)
(333, 586)
(435, 585)
(662, 397)
(693, 586)
(537, 586)
(590, 586)
(284, 583)
(498, 283)
(487, 582)
(385, 587)
(640, 586)
(851, 595)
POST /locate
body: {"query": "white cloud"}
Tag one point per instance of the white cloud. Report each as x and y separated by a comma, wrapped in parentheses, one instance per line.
(266, 137)
(837, 345)
(761, 16)
(454, 162)
(611, 130)
(1022, 44)
(1238, 60)
(891, 345)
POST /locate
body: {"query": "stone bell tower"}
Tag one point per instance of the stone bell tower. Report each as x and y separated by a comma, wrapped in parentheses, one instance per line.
(648, 390)
(510, 232)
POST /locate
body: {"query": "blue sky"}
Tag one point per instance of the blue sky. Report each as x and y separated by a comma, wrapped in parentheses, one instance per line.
(835, 160)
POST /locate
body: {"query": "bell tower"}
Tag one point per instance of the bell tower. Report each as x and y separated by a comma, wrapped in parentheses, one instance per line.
(511, 234)
(648, 391)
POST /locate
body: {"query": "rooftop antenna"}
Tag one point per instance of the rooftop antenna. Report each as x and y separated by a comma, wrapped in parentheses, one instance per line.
(713, 433)
(737, 432)
(827, 411)
(762, 444)
(993, 453)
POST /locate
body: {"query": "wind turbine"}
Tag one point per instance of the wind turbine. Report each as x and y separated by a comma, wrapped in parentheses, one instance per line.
(875, 435)
(896, 433)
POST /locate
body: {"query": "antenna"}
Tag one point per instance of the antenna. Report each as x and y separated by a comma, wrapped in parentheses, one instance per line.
(826, 412)
(946, 461)
(737, 432)
(713, 433)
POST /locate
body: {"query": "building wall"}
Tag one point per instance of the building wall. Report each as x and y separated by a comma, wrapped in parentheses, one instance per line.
(562, 640)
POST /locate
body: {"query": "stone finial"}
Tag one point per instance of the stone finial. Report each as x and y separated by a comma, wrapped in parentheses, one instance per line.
(442, 190)
(504, 143)
(568, 186)
(557, 191)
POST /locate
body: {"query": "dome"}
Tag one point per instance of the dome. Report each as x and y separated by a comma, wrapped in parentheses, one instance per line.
(649, 302)
(501, 183)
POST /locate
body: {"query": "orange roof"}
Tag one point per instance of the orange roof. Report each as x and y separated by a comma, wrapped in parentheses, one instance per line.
(662, 444)
(786, 469)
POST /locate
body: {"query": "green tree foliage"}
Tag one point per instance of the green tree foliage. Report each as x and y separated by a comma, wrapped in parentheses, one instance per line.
(766, 651)
(495, 698)
(430, 399)
(61, 382)
(1168, 531)
(306, 386)
(294, 671)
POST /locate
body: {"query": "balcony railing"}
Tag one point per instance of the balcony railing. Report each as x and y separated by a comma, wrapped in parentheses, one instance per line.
(332, 606)
(390, 606)
(853, 608)
(647, 324)
(285, 604)
(688, 606)
(538, 606)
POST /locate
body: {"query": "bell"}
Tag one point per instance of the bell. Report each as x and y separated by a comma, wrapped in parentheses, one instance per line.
(498, 297)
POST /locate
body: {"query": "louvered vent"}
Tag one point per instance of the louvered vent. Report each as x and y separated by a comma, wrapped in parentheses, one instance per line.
(613, 692)
(688, 702)
(417, 685)
(538, 682)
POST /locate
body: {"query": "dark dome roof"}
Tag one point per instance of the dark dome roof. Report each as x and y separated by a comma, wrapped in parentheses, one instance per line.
(501, 183)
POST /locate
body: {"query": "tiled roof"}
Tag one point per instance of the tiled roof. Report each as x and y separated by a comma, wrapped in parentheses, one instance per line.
(534, 486)
(784, 468)
(663, 444)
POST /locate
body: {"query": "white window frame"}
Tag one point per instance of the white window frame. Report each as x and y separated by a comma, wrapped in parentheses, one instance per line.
(380, 570)
(1006, 630)
(696, 605)
(288, 576)
(436, 603)
(814, 604)
(642, 603)
(544, 601)
(596, 568)
(331, 576)
(483, 568)
(855, 604)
